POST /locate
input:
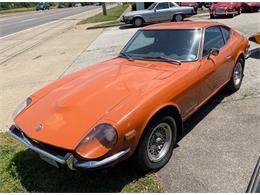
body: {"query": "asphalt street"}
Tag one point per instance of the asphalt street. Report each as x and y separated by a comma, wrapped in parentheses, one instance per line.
(19, 22)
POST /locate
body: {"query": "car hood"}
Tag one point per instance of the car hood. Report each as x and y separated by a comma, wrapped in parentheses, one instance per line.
(221, 5)
(139, 12)
(70, 107)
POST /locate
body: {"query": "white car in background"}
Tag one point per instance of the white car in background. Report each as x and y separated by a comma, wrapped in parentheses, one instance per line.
(158, 12)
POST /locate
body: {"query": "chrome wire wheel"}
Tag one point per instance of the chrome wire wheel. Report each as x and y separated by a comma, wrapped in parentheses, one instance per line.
(159, 142)
(238, 74)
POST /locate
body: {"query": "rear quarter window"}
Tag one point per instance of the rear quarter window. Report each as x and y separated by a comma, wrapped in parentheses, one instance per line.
(226, 33)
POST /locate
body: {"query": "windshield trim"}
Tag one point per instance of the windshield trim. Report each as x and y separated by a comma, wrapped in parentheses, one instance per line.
(198, 57)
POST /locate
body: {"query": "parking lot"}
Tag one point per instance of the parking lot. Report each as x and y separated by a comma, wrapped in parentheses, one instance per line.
(221, 146)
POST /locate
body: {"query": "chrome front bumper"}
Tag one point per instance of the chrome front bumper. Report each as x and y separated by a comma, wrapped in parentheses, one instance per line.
(68, 159)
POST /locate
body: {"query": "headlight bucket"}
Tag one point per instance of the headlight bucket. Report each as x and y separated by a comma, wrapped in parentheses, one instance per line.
(22, 106)
(98, 142)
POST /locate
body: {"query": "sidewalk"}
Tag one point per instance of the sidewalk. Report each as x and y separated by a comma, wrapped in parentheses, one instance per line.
(106, 46)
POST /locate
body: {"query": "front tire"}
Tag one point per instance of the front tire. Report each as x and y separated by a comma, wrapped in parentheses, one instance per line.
(138, 22)
(237, 76)
(212, 16)
(239, 11)
(157, 144)
(232, 15)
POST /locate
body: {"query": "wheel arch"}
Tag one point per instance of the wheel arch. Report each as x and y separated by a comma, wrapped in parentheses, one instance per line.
(242, 56)
(167, 108)
(138, 16)
(178, 13)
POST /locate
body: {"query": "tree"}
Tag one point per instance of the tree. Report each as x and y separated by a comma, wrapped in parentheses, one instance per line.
(104, 8)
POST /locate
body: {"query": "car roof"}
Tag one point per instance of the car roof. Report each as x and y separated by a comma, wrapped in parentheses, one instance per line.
(182, 25)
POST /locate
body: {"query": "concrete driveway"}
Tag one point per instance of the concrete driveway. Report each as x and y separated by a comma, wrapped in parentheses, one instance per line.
(222, 144)
(221, 147)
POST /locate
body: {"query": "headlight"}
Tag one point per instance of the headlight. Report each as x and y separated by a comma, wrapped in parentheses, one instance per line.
(22, 106)
(99, 141)
(230, 7)
(126, 17)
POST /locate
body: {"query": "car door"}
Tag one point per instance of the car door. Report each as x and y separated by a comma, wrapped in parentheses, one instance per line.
(229, 44)
(213, 69)
(161, 12)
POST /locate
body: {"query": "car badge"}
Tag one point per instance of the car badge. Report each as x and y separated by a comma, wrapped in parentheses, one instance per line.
(38, 127)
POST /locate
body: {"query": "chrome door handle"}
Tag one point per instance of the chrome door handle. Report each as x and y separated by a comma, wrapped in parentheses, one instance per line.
(229, 59)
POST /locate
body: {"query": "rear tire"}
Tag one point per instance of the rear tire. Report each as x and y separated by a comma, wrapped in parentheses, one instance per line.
(178, 18)
(236, 77)
(157, 143)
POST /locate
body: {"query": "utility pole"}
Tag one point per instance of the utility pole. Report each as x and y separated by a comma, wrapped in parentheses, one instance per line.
(104, 8)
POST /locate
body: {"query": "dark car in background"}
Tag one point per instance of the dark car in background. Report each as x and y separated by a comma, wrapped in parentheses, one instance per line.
(42, 6)
(250, 6)
(207, 4)
(61, 6)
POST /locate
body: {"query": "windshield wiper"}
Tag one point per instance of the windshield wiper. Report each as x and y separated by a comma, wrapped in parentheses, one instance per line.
(167, 59)
(126, 55)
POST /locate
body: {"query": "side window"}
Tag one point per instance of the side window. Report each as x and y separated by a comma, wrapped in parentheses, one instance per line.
(212, 39)
(171, 4)
(162, 6)
(226, 33)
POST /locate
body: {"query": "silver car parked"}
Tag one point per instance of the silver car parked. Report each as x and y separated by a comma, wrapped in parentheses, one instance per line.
(158, 12)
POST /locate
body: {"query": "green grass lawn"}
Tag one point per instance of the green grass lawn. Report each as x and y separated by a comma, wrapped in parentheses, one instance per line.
(112, 14)
(17, 10)
(22, 170)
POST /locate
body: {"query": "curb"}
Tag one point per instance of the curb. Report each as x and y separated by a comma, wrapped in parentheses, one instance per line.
(105, 26)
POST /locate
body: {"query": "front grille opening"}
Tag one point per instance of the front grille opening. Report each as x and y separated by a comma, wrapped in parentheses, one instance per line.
(47, 147)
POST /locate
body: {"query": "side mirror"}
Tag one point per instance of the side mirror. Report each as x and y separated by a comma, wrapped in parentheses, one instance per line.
(213, 52)
(255, 38)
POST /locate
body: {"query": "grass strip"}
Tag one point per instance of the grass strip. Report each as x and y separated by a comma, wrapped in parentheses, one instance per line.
(112, 14)
(22, 170)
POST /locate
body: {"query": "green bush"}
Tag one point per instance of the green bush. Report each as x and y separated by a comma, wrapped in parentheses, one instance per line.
(133, 6)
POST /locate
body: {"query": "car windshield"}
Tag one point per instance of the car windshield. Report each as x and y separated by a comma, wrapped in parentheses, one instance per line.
(177, 45)
(152, 6)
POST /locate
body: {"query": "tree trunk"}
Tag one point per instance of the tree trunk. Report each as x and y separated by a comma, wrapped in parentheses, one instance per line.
(104, 8)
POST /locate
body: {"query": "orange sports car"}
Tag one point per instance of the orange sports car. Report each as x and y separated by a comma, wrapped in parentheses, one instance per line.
(134, 104)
